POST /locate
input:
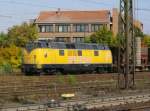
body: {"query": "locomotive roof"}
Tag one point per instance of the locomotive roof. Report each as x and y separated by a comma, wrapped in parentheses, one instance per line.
(62, 45)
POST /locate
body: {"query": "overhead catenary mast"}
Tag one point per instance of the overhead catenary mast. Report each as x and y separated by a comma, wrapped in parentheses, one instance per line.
(126, 56)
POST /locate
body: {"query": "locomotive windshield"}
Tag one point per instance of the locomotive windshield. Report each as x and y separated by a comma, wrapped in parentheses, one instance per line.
(33, 45)
(60, 45)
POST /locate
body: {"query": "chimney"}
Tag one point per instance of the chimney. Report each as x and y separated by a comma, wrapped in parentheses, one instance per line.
(58, 11)
(115, 20)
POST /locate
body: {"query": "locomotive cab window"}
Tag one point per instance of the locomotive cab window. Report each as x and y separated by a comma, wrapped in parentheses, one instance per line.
(79, 53)
(96, 53)
(61, 53)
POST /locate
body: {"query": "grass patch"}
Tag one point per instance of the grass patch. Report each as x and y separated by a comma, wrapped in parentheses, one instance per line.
(72, 80)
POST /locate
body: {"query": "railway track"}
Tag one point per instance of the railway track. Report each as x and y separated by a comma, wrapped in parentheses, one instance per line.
(53, 86)
(87, 103)
(25, 85)
(38, 88)
(31, 80)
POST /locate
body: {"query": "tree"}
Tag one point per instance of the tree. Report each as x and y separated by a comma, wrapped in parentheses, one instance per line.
(10, 55)
(138, 32)
(102, 36)
(19, 35)
(4, 40)
(105, 36)
(147, 40)
(12, 42)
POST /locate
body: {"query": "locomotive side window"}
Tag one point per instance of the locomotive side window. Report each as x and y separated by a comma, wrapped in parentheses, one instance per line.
(61, 53)
(96, 53)
(79, 53)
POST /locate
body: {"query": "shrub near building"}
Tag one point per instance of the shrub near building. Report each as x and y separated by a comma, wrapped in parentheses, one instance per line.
(10, 57)
(102, 36)
(11, 45)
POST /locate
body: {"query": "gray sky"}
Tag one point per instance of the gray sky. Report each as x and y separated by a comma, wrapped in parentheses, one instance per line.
(17, 11)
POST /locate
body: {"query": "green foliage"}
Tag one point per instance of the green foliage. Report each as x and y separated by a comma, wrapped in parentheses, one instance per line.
(4, 40)
(61, 79)
(103, 36)
(10, 55)
(72, 79)
(120, 39)
(7, 68)
(115, 41)
(138, 32)
(147, 40)
(12, 42)
(88, 40)
(21, 34)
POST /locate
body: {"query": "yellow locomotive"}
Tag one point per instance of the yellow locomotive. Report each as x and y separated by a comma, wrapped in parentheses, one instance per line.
(51, 57)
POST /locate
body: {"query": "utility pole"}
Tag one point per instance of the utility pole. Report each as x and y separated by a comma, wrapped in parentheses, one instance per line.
(126, 56)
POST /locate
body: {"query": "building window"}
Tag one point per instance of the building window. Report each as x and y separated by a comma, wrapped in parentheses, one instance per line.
(96, 27)
(42, 28)
(49, 28)
(45, 28)
(96, 53)
(81, 27)
(61, 53)
(78, 39)
(62, 28)
(79, 53)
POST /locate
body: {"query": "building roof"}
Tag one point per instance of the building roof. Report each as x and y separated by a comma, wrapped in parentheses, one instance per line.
(73, 16)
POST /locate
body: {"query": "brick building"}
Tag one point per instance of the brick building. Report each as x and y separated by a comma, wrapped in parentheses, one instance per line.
(115, 21)
(74, 26)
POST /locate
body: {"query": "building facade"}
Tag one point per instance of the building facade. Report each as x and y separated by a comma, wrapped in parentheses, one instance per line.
(115, 22)
(74, 26)
(71, 26)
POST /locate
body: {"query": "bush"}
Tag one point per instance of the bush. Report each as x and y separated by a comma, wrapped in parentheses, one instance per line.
(11, 55)
(72, 79)
(61, 79)
(6, 68)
